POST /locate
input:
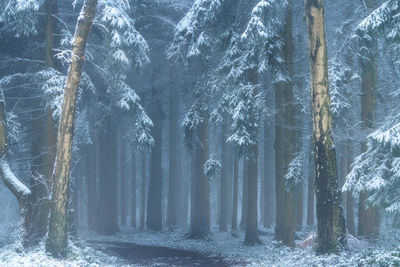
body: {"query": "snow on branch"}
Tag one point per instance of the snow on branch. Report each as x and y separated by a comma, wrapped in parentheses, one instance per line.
(19, 16)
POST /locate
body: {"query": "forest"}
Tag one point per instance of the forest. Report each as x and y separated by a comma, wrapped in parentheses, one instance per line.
(199, 133)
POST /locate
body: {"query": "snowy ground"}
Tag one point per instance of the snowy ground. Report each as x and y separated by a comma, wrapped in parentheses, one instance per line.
(218, 245)
(79, 254)
(270, 253)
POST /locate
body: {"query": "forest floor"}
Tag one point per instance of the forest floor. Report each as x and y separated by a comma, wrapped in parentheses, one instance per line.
(229, 250)
(145, 248)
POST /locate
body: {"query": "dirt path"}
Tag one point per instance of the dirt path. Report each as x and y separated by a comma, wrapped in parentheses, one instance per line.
(160, 256)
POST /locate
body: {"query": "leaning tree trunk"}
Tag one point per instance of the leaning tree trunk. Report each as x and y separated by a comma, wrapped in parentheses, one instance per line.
(19, 190)
(200, 205)
(284, 144)
(57, 240)
(331, 223)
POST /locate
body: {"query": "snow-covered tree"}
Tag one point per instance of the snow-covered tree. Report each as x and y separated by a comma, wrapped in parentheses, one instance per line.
(19, 17)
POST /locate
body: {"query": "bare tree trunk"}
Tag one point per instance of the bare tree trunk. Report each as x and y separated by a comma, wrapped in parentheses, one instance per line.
(284, 144)
(251, 236)
(174, 185)
(91, 185)
(123, 186)
(351, 228)
(17, 188)
(311, 190)
(235, 194)
(43, 148)
(331, 223)
(107, 213)
(223, 221)
(154, 200)
(143, 192)
(200, 208)
(268, 177)
(133, 193)
(245, 191)
(368, 218)
(57, 241)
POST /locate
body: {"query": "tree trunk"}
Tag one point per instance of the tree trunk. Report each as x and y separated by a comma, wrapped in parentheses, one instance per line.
(123, 185)
(107, 220)
(133, 193)
(17, 188)
(349, 195)
(143, 192)
(154, 200)
(311, 190)
(91, 185)
(223, 219)
(284, 144)
(245, 191)
(57, 241)
(331, 223)
(200, 207)
(43, 148)
(235, 194)
(368, 218)
(268, 177)
(251, 236)
(174, 184)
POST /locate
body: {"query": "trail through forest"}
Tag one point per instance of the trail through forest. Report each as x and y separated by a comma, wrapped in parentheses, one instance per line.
(160, 256)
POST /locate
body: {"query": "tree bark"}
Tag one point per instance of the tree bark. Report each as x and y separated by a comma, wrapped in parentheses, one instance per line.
(223, 219)
(331, 223)
(91, 185)
(368, 217)
(311, 190)
(251, 235)
(174, 184)
(123, 185)
(133, 193)
(154, 200)
(235, 194)
(284, 144)
(268, 177)
(200, 198)
(245, 191)
(107, 213)
(43, 147)
(57, 241)
(143, 192)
